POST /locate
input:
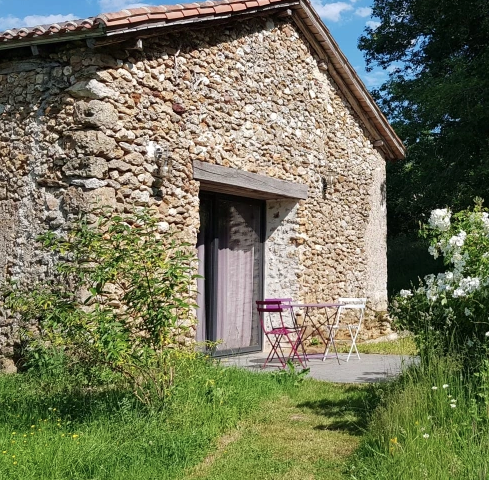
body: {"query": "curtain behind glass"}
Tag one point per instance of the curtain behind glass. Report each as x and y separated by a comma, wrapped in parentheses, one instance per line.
(238, 278)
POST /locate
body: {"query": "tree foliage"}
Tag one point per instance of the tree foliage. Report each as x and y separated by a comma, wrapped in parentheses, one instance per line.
(437, 97)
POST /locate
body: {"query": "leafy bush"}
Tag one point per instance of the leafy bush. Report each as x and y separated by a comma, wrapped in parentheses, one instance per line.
(122, 299)
(449, 310)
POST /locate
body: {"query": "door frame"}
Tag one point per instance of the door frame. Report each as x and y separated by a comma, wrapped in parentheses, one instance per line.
(211, 268)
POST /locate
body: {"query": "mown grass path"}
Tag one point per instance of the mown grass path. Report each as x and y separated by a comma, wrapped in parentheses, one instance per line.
(306, 434)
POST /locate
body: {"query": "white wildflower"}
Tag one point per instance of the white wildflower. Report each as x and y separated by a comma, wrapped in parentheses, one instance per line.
(470, 284)
(445, 385)
(426, 435)
(467, 312)
(405, 293)
(459, 292)
(440, 219)
(433, 251)
(434, 388)
(431, 295)
(487, 334)
(453, 405)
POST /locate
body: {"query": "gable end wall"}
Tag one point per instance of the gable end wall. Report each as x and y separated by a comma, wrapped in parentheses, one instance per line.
(78, 125)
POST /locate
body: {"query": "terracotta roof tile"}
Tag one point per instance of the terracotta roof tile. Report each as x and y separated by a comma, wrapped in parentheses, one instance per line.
(174, 15)
(206, 11)
(172, 8)
(138, 18)
(134, 16)
(238, 6)
(223, 8)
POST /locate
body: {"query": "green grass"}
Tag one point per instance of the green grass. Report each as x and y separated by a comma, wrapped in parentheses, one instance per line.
(216, 423)
(417, 433)
(57, 430)
(402, 346)
(308, 433)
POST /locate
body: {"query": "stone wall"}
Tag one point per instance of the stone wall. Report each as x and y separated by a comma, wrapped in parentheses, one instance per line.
(78, 126)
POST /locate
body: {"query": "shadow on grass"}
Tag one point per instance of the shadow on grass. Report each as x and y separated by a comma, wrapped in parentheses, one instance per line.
(350, 415)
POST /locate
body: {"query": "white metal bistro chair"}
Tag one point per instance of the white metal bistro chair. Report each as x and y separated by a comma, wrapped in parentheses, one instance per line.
(353, 322)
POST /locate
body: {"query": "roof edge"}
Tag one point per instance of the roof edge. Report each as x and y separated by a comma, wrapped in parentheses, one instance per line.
(166, 16)
(349, 78)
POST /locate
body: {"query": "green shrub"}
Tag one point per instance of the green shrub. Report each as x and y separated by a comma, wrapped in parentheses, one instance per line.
(122, 300)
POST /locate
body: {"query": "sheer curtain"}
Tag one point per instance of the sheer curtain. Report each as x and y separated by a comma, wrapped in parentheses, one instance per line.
(235, 275)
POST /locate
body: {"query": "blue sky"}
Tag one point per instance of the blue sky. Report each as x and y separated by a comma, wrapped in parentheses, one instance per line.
(346, 20)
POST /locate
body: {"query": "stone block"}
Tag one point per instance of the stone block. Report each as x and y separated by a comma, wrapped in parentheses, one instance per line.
(86, 167)
(95, 114)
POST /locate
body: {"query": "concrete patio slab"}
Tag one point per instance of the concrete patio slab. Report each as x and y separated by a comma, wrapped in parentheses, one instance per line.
(369, 369)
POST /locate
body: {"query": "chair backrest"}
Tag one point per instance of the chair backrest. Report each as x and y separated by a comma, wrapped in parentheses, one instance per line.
(353, 303)
(274, 307)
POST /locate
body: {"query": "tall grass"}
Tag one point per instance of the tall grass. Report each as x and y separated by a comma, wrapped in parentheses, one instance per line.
(433, 423)
(59, 427)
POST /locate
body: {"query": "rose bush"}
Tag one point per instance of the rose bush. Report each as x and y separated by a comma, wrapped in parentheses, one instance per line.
(451, 310)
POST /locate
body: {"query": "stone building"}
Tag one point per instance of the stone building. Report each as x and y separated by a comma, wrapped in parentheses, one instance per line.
(240, 121)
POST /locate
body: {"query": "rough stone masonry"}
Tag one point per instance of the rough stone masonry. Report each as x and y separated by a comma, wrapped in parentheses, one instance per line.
(77, 124)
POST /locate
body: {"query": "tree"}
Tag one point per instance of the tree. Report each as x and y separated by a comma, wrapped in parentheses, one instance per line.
(437, 97)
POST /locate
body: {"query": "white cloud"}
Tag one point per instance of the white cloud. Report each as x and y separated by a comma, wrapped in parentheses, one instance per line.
(372, 24)
(116, 5)
(331, 11)
(373, 79)
(363, 11)
(32, 20)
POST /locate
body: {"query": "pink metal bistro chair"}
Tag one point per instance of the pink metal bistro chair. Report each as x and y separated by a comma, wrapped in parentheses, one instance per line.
(353, 322)
(279, 326)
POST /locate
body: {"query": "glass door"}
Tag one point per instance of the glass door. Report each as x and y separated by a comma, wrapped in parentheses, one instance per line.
(230, 250)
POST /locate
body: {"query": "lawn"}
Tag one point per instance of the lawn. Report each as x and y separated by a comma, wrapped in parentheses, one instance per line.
(224, 423)
(216, 424)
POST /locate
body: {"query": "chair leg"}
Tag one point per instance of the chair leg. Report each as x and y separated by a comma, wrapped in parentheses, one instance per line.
(294, 350)
(332, 333)
(353, 336)
(274, 352)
